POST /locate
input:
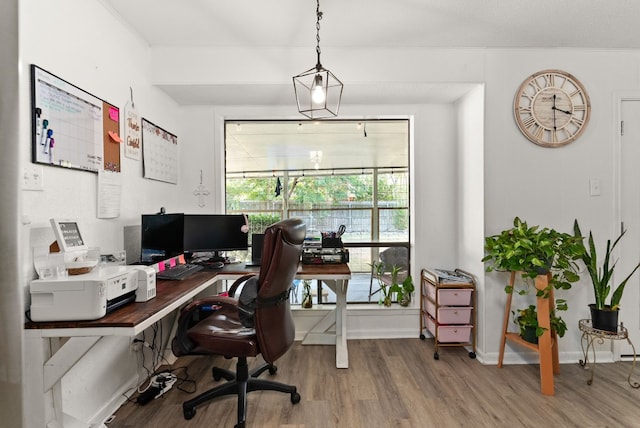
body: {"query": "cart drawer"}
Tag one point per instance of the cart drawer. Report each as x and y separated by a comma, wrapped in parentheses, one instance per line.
(449, 333)
(449, 314)
(450, 296)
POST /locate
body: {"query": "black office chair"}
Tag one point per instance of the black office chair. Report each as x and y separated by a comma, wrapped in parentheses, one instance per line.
(230, 329)
(392, 256)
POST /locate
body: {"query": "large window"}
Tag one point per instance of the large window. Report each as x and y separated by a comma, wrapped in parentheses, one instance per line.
(328, 173)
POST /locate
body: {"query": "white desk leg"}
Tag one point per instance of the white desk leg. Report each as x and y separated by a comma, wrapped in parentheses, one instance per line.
(41, 408)
(318, 335)
(342, 352)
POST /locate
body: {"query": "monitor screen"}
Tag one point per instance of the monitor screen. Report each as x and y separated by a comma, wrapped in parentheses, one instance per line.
(162, 237)
(214, 232)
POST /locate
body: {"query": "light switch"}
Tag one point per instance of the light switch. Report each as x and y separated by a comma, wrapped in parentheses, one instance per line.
(32, 178)
(594, 187)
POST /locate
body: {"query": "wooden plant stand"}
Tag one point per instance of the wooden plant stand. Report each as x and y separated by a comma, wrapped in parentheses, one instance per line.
(547, 347)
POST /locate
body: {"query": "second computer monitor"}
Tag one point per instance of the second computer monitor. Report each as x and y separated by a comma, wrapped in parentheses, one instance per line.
(214, 233)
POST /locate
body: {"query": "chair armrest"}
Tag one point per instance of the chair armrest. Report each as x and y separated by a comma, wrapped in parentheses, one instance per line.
(192, 314)
(234, 287)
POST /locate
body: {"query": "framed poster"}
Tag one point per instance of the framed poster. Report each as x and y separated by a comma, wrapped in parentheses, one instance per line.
(72, 128)
(160, 155)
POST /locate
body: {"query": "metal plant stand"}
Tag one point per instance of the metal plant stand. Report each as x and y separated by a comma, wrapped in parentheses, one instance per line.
(591, 335)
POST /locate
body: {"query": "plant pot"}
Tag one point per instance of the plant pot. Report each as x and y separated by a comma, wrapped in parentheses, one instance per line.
(307, 302)
(529, 334)
(604, 319)
(406, 300)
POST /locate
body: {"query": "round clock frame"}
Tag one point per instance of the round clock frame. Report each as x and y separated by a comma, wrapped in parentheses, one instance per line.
(552, 108)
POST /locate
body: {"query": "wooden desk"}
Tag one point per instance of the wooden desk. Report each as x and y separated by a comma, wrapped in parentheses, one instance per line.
(53, 348)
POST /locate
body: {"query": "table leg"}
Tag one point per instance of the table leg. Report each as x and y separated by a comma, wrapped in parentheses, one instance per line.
(319, 334)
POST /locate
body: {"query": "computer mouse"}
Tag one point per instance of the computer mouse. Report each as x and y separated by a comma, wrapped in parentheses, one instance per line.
(217, 265)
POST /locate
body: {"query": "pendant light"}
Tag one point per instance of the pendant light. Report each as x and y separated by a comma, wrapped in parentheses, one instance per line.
(318, 91)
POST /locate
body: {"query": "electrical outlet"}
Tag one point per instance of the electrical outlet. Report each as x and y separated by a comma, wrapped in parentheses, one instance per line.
(32, 178)
(594, 187)
(136, 346)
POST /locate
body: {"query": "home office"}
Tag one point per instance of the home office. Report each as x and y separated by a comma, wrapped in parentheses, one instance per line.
(468, 155)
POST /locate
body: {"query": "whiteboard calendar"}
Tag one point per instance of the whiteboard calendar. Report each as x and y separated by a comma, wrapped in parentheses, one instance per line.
(160, 153)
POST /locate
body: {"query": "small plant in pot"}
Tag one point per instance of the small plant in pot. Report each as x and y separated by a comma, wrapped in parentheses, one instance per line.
(530, 330)
(604, 316)
(403, 291)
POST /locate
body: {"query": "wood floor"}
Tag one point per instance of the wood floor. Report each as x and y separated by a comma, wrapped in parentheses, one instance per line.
(397, 383)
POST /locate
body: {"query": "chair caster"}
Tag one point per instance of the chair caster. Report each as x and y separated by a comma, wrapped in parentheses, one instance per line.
(436, 356)
(423, 337)
(472, 355)
(273, 370)
(239, 425)
(189, 413)
(295, 398)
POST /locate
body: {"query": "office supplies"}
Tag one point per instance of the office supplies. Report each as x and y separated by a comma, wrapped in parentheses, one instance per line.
(179, 272)
(77, 257)
(82, 297)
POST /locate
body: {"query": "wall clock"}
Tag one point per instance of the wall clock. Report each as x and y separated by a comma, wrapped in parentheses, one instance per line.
(552, 108)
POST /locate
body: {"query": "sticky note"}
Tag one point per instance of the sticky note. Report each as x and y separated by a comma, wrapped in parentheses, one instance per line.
(172, 262)
(114, 114)
(181, 259)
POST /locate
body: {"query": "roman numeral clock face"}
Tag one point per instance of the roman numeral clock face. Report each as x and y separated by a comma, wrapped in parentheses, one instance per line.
(551, 108)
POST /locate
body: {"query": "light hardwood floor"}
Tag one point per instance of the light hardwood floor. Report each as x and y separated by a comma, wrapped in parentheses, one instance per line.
(397, 383)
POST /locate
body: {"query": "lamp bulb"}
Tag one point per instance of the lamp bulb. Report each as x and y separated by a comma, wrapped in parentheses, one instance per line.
(318, 95)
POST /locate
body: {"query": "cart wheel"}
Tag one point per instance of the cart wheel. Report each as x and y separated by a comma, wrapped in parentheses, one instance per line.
(436, 356)
(422, 337)
(472, 355)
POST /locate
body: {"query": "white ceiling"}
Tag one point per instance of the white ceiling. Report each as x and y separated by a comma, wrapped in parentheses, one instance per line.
(384, 23)
(611, 24)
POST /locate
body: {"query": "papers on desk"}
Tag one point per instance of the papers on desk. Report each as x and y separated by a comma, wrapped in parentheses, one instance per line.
(444, 276)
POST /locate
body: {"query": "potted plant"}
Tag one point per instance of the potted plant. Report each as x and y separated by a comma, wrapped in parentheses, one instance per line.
(403, 291)
(385, 289)
(307, 301)
(530, 330)
(534, 251)
(603, 316)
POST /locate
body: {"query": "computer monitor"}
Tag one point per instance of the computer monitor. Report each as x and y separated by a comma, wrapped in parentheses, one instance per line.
(214, 233)
(162, 237)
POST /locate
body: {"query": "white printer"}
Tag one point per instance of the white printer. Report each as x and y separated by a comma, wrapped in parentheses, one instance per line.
(87, 296)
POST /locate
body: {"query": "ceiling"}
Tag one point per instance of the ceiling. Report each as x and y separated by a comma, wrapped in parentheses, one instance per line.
(382, 23)
(353, 24)
(304, 146)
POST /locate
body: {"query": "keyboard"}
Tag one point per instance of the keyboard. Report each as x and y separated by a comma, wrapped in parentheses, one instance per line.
(179, 272)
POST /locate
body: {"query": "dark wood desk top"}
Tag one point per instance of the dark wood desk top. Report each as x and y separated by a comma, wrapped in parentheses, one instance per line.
(167, 292)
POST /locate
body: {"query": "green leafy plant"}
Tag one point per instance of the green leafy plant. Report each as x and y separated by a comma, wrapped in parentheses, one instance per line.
(534, 251)
(529, 318)
(601, 275)
(385, 290)
(403, 291)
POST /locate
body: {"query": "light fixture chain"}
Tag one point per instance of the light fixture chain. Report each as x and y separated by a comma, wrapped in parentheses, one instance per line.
(319, 17)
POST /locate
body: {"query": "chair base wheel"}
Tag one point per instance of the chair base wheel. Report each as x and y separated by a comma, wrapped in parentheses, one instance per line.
(189, 413)
(472, 355)
(423, 337)
(436, 356)
(295, 398)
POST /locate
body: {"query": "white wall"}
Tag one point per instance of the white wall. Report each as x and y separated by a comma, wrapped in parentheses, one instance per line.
(11, 302)
(477, 192)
